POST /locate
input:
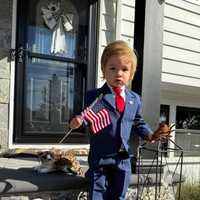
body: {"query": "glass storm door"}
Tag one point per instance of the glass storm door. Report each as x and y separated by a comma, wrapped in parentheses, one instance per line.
(52, 39)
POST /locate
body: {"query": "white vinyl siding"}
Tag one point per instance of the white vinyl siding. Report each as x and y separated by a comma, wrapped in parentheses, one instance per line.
(128, 21)
(181, 68)
(116, 22)
(129, 2)
(181, 14)
(107, 29)
(181, 43)
(197, 2)
(183, 4)
(107, 22)
(182, 55)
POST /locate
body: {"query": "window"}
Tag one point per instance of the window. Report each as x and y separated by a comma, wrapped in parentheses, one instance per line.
(188, 130)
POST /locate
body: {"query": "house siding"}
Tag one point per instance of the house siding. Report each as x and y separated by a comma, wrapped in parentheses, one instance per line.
(180, 76)
(128, 21)
(181, 43)
(116, 22)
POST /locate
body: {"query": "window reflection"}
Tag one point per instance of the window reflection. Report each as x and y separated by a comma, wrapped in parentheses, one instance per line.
(38, 91)
(188, 130)
(51, 92)
(188, 118)
(41, 42)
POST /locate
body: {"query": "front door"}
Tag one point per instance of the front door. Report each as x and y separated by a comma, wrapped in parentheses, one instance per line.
(51, 68)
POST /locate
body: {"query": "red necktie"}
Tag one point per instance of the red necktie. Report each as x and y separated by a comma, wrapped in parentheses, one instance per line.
(119, 100)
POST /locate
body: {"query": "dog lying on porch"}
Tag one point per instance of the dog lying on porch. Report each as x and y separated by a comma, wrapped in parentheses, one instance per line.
(59, 160)
(53, 159)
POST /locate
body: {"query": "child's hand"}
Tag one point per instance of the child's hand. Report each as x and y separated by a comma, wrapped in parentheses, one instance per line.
(76, 122)
(162, 132)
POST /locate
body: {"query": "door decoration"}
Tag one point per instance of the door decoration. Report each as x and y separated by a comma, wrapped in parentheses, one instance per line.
(59, 23)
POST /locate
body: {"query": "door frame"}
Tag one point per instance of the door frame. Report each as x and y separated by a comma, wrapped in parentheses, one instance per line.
(93, 25)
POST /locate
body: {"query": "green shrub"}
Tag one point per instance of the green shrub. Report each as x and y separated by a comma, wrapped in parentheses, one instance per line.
(189, 192)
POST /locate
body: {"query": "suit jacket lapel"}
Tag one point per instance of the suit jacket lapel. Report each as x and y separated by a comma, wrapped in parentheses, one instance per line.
(129, 104)
(108, 96)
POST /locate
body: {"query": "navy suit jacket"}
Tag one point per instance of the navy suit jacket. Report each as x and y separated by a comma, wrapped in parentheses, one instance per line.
(108, 141)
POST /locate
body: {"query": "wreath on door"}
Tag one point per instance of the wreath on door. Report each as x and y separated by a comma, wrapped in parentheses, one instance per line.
(60, 23)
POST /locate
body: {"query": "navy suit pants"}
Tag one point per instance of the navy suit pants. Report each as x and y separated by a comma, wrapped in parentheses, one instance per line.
(110, 182)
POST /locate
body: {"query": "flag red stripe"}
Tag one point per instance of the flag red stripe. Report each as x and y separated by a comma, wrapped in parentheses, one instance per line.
(92, 120)
(101, 119)
(92, 125)
(107, 116)
(97, 122)
(104, 113)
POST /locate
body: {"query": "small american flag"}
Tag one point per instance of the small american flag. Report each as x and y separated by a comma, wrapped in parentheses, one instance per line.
(98, 119)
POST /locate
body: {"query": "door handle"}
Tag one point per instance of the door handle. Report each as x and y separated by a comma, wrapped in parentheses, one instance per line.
(17, 53)
(20, 54)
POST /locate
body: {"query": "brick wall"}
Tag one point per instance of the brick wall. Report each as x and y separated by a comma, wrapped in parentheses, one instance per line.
(5, 45)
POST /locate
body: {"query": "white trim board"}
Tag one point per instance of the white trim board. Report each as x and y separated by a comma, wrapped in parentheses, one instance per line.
(196, 2)
(12, 75)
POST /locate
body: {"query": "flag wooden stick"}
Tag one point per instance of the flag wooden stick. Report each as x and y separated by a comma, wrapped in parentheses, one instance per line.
(66, 134)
